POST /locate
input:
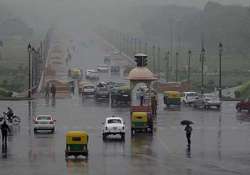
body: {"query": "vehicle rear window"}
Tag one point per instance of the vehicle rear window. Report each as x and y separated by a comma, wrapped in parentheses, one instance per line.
(76, 139)
(44, 118)
(114, 121)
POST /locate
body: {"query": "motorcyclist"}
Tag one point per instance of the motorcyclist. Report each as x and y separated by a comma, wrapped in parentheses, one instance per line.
(9, 113)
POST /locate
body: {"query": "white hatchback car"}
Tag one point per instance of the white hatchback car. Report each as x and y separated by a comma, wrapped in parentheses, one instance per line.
(44, 122)
(114, 126)
(103, 68)
(189, 97)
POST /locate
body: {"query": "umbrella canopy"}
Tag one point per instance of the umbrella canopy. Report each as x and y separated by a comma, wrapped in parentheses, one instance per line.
(186, 122)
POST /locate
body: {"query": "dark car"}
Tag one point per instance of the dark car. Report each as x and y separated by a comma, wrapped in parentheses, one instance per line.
(102, 92)
(115, 69)
(243, 105)
(120, 95)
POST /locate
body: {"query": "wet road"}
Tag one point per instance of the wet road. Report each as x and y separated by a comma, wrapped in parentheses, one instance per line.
(220, 140)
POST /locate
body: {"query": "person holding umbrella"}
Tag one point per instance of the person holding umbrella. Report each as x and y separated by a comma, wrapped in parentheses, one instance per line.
(188, 130)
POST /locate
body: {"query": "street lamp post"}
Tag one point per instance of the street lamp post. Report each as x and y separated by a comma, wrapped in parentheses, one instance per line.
(220, 55)
(159, 60)
(189, 68)
(146, 48)
(153, 57)
(176, 66)
(135, 40)
(202, 69)
(29, 90)
(167, 66)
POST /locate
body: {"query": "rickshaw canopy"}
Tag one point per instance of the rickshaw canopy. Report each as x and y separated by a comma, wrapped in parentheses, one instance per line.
(77, 137)
(172, 94)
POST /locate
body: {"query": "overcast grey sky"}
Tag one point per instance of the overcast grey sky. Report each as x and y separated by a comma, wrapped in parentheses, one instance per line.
(41, 13)
(198, 3)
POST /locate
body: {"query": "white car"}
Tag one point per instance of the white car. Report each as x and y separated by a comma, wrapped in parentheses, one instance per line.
(88, 90)
(206, 101)
(44, 122)
(212, 101)
(92, 74)
(189, 97)
(103, 68)
(114, 126)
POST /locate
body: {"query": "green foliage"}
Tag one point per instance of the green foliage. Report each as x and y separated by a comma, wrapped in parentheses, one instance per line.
(5, 93)
(243, 91)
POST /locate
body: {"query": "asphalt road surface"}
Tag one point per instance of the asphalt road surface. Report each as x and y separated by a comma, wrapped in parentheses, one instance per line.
(220, 139)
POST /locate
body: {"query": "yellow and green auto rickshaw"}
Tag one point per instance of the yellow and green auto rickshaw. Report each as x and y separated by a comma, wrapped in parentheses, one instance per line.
(141, 121)
(172, 98)
(76, 143)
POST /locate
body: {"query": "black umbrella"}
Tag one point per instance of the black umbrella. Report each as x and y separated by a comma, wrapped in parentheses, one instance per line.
(186, 122)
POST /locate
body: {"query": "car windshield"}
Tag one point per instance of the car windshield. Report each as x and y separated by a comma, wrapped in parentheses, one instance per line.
(110, 121)
(192, 94)
(211, 97)
(44, 118)
(103, 66)
(89, 87)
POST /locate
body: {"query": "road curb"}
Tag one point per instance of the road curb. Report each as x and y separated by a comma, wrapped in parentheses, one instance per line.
(15, 99)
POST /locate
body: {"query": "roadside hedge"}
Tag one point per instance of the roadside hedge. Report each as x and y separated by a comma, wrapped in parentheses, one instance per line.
(243, 91)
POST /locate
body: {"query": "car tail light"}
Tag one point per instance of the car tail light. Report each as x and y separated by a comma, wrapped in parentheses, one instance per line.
(36, 122)
(51, 122)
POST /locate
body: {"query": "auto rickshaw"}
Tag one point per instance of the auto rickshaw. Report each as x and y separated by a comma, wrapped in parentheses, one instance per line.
(76, 73)
(172, 98)
(141, 121)
(76, 144)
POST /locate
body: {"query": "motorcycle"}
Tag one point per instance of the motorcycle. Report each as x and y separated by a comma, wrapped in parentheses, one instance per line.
(15, 120)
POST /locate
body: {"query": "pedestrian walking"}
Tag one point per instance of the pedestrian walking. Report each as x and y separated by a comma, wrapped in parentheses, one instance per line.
(5, 129)
(53, 90)
(154, 105)
(141, 96)
(188, 130)
(141, 99)
(47, 90)
(72, 89)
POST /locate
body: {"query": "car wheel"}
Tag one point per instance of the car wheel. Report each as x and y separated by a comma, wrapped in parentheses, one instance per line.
(218, 107)
(35, 131)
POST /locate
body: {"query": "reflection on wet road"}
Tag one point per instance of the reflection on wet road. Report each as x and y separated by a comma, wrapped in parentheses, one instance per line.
(220, 142)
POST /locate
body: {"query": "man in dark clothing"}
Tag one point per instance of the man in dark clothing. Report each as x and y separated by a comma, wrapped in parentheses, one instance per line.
(154, 105)
(4, 129)
(188, 130)
(141, 99)
(53, 90)
(46, 90)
